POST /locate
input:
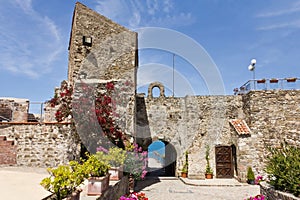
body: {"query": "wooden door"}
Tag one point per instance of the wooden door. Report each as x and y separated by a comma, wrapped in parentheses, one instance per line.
(224, 165)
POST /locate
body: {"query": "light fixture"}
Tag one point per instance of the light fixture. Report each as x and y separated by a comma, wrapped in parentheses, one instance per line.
(87, 41)
(251, 67)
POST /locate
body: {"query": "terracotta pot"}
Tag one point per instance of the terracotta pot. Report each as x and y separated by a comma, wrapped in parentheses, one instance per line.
(261, 81)
(208, 176)
(184, 174)
(273, 81)
(74, 196)
(97, 185)
(116, 173)
(291, 79)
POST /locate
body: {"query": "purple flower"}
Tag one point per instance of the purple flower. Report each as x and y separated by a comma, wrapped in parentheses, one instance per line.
(102, 149)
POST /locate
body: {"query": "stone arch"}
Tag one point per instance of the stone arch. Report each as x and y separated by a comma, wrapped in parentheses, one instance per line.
(160, 87)
(169, 161)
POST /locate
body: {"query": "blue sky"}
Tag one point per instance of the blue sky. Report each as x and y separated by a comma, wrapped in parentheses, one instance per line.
(35, 34)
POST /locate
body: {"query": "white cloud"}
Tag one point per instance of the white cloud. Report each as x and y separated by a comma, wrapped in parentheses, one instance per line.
(286, 16)
(292, 24)
(30, 43)
(136, 13)
(25, 5)
(290, 9)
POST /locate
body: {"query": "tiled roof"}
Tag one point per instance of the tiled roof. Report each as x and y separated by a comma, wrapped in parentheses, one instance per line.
(240, 126)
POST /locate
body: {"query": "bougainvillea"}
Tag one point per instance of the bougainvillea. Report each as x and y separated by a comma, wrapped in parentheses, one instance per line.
(134, 196)
(104, 108)
(63, 100)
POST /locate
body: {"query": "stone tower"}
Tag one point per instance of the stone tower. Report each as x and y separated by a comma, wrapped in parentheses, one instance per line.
(102, 51)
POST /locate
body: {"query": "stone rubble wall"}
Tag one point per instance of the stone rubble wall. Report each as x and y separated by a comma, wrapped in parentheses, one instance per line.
(112, 57)
(189, 124)
(8, 152)
(19, 108)
(42, 145)
(273, 117)
(192, 122)
(271, 194)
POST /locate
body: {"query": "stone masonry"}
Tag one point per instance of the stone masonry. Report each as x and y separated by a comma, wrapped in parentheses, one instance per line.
(41, 145)
(102, 51)
(111, 57)
(18, 107)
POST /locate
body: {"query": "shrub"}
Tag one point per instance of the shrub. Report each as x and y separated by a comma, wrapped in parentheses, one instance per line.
(208, 169)
(250, 174)
(115, 156)
(283, 167)
(95, 167)
(64, 179)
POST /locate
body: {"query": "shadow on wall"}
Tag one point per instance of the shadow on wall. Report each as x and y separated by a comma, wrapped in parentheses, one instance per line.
(143, 135)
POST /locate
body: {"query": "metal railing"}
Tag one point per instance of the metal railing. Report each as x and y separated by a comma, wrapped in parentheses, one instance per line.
(269, 84)
(37, 108)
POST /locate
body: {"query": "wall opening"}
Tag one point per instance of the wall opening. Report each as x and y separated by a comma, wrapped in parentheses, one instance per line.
(157, 86)
(155, 92)
(162, 159)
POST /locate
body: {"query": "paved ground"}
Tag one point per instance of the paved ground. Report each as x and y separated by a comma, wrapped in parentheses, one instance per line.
(169, 189)
(23, 183)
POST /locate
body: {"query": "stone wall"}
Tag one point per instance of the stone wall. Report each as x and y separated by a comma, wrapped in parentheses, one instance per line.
(18, 107)
(111, 57)
(189, 124)
(271, 194)
(8, 152)
(273, 117)
(192, 122)
(42, 145)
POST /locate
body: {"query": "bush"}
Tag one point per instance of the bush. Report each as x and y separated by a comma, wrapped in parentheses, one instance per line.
(115, 156)
(250, 174)
(64, 179)
(95, 167)
(283, 167)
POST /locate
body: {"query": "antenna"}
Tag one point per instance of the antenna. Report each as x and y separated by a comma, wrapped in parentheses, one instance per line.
(173, 73)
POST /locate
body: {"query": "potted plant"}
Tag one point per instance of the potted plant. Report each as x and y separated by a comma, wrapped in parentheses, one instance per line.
(184, 171)
(64, 181)
(250, 176)
(115, 156)
(98, 176)
(135, 164)
(208, 169)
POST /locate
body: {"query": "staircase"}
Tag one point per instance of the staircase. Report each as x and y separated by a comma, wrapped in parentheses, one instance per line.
(8, 152)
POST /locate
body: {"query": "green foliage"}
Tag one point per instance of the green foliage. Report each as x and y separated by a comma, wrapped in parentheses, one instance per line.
(95, 167)
(64, 179)
(115, 156)
(283, 167)
(208, 169)
(250, 174)
(185, 168)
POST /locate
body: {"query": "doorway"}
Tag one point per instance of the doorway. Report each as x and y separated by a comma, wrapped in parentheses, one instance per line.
(161, 159)
(224, 162)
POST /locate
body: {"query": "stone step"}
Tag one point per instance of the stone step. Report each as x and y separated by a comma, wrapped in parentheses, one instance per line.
(3, 138)
(7, 143)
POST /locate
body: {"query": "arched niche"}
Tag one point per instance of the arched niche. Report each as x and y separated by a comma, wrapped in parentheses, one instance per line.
(161, 88)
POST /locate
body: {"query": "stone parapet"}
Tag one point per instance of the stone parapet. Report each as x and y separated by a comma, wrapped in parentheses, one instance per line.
(272, 194)
(43, 145)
